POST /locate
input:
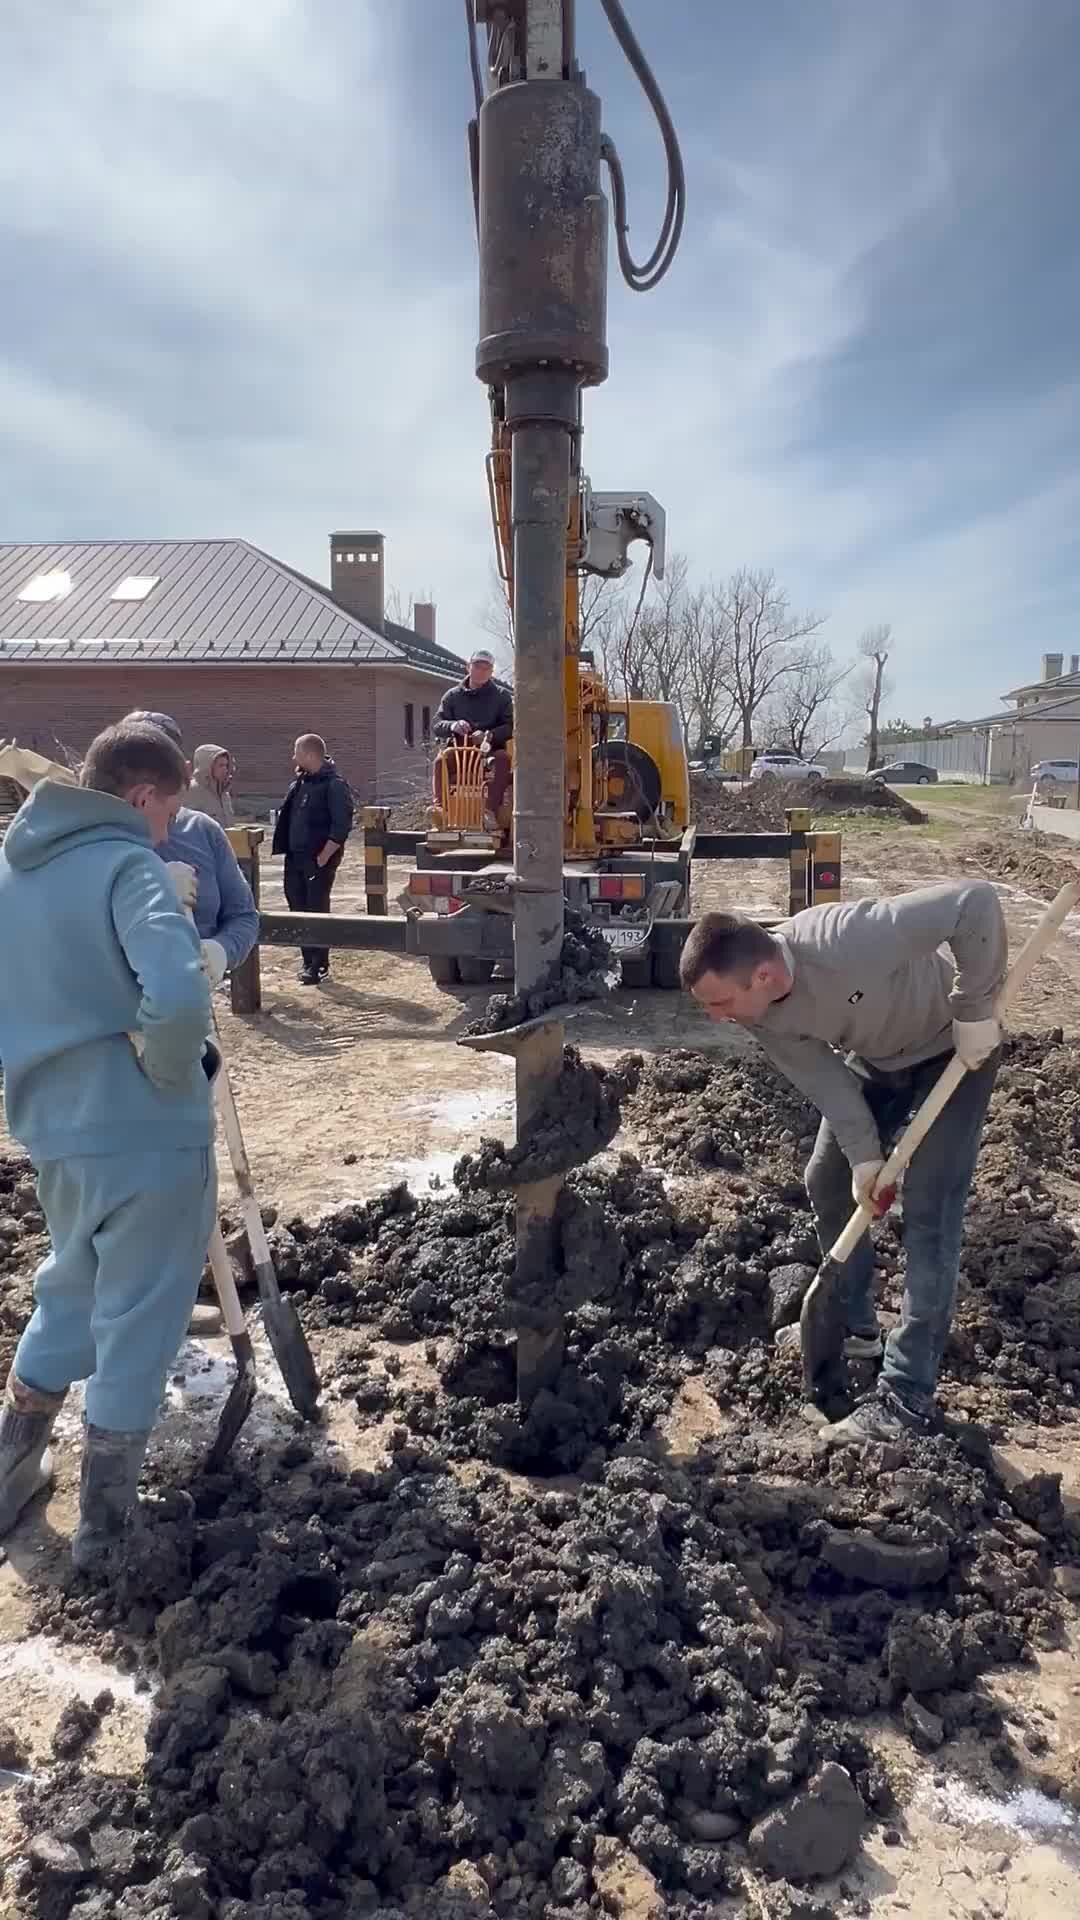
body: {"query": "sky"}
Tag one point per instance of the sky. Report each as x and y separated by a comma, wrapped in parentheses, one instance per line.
(241, 286)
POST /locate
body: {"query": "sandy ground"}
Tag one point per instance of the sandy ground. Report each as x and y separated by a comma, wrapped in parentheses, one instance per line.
(346, 1088)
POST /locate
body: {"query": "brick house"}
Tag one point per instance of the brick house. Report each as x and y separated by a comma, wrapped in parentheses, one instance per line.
(239, 647)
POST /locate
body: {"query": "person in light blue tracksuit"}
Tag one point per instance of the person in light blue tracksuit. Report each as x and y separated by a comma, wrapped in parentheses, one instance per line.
(104, 1013)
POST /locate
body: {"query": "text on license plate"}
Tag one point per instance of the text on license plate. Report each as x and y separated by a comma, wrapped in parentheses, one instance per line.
(624, 939)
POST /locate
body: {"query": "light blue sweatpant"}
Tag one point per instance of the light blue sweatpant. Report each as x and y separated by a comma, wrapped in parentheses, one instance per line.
(114, 1297)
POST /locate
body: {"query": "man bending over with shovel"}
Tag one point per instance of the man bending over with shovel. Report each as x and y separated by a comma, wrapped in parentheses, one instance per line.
(858, 1007)
(104, 1012)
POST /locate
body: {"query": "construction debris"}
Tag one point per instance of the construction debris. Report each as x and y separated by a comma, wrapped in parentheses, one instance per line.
(720, 806)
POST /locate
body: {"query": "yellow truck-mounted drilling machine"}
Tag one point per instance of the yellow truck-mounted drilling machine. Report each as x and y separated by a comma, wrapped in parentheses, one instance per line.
(622, 777)
(537, 149)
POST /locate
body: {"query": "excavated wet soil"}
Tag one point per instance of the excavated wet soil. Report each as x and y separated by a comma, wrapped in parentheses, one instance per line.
(435, 1690)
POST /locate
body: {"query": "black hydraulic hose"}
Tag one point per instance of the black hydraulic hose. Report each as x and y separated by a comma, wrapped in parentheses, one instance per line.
(642, 276)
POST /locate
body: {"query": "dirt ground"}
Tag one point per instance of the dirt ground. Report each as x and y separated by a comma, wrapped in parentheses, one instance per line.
(346, 1091)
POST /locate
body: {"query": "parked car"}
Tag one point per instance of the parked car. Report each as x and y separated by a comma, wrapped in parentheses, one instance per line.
(786, 766)
(905, 773)
(1064, 772)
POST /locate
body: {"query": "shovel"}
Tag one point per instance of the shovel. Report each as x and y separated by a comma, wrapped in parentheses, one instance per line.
(242, 1392)
(283, 1329)
(823, 1322)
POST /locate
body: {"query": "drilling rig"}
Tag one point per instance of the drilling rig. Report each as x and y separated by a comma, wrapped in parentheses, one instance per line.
(537, 150)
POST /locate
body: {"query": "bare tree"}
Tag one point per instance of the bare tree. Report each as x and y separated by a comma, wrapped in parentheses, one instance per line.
(761, 634)
(497, 619)
(802, 714)
(873, 685)
(401, 607)
(708, 671)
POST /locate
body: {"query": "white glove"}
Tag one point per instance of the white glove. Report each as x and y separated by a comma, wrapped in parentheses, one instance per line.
(215, 962)
(185, 880)
(864, 1178)
(975, 1041)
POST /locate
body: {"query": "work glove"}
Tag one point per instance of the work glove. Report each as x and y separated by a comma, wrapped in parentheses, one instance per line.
(185, 881)
(975, 1041)
(864, 1179)
(215, 962)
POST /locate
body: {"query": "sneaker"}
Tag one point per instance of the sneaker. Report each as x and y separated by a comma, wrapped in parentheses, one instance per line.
(881, 1418)
(857, 1346)
(866, 1345)
(309, 976)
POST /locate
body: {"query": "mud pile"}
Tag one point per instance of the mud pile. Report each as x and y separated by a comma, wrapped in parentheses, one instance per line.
(23, 1244)
(1014, 1352)
(587, 970)
(698, 1111)
(388, 1693)
(1033, 861)
(718, 806)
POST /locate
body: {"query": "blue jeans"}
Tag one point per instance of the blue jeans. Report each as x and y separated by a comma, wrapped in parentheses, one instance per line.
(934, 1196)
(114, 1297)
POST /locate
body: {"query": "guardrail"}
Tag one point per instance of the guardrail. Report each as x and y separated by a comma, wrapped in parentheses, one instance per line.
(814, 879)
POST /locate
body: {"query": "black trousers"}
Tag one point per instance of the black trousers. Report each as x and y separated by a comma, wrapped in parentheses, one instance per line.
(307, 890)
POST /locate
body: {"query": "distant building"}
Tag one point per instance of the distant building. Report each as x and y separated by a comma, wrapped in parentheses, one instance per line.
(239, 647)
(1042, 723)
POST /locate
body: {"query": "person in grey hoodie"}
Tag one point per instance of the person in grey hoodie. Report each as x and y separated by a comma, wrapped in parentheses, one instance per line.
(224, 909)
(861, 1010)
(211, 779)
(104, 1015)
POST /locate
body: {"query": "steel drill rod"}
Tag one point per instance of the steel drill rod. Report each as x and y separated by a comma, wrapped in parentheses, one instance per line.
(540, 483)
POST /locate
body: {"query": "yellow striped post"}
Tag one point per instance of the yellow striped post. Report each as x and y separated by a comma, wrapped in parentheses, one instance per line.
(798, 826)
(374, 820)
(245, 981)
(825, 869)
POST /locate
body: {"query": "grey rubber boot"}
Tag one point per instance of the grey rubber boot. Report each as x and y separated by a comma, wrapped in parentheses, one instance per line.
(108, 1494)
(26, 1467)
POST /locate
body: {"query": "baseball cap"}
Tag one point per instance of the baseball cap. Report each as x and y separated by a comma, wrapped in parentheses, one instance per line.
(163, 721)
(481, 653)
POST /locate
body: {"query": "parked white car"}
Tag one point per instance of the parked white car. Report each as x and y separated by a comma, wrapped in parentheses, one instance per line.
(786, 766)
(1064, 772)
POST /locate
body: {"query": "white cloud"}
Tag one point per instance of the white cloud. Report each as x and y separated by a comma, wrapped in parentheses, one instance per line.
(280, 210)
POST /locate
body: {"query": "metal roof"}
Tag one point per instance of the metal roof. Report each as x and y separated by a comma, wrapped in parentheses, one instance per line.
(213, 601)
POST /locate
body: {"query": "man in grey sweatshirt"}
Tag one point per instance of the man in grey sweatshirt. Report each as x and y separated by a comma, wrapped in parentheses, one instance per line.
(859, 1007)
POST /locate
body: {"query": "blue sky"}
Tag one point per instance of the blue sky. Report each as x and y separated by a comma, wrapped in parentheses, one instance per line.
(241, 290)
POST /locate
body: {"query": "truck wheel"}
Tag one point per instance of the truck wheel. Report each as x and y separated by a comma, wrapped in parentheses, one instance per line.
(473, 972)
(666, 968)
(637, 969)
(443, 969)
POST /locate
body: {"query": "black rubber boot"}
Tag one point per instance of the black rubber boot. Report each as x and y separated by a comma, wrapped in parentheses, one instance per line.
(108, 1494)
(26, 1467)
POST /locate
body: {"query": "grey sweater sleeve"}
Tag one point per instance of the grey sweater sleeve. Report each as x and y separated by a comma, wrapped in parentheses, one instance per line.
(965, 916)
(819, 1073)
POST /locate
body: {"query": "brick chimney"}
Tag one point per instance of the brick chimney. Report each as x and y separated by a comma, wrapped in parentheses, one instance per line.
(356, 575)
(423, 615)
(1052, 665)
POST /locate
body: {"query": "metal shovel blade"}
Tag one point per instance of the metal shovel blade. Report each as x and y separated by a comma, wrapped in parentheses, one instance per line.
(289, 1345)
(822, 1330)
(240, 1401)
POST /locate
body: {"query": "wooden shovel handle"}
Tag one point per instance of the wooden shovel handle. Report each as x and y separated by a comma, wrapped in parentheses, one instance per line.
(225, 1285)
(943, 1089)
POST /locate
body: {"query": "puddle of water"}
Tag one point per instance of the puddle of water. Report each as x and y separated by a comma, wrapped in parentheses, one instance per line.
(432, 1176)
(69, 1675)
(1027, 1812)
(465, 1110)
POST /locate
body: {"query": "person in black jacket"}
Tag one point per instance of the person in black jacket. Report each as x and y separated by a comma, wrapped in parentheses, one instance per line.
(314, 823)
(479, 710)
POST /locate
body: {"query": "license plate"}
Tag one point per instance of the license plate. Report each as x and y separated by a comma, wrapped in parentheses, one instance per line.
(626, 939)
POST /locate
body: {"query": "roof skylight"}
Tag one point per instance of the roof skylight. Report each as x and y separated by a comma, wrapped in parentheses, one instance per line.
(46, 586)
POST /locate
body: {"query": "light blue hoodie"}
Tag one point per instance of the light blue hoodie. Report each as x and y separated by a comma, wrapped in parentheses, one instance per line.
(94, 945)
